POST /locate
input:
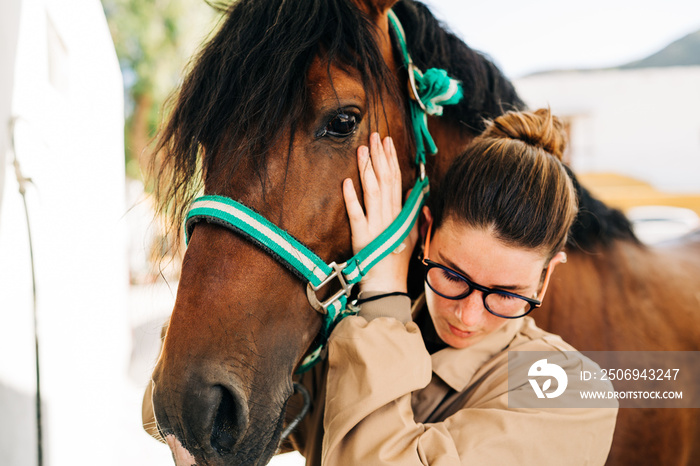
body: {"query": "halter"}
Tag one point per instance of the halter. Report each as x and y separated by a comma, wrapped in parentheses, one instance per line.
(429, 92)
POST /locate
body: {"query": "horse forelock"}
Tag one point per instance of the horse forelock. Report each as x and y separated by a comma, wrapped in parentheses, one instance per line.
(247, 87)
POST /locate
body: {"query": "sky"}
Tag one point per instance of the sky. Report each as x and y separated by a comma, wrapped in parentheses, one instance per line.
(524, 36)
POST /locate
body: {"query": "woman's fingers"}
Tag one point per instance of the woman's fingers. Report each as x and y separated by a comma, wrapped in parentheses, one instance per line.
(358, 222)
(382, 168)
(395, 175)
(381, 186)
(370, 186)
(388, 178)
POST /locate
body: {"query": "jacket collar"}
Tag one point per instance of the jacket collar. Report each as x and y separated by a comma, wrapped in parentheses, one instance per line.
(457, 367)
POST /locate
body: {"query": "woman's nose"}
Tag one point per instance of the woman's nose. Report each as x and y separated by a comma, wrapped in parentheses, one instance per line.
(471, 309)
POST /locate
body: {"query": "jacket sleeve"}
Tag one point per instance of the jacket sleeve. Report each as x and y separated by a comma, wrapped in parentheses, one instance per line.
(148, 418)
(375, 365)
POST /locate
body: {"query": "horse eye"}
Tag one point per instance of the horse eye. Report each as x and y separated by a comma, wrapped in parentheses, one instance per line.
(341, 125)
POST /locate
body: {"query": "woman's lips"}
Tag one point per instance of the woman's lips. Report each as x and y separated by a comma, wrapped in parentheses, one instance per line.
(460, 333)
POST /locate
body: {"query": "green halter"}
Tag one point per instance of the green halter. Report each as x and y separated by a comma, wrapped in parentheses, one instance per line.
(429, 92)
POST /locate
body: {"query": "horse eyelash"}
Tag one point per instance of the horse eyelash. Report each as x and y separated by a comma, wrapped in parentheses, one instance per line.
(323, 131)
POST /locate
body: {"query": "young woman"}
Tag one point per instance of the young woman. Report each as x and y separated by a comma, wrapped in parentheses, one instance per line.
(429, 384)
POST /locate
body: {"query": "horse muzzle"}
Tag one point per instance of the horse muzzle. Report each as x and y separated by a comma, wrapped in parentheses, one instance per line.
(209, 422)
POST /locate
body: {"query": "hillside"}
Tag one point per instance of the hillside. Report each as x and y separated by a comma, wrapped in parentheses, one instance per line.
(683, 52)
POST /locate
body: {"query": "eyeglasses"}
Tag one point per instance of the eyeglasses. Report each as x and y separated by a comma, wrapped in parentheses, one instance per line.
(451, 284)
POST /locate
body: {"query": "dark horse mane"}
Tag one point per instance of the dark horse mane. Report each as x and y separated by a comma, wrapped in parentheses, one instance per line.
(596, 224)
(233, 106)
(488, 93)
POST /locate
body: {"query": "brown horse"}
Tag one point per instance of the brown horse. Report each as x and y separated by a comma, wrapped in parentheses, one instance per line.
(618, 294)
(271, 115)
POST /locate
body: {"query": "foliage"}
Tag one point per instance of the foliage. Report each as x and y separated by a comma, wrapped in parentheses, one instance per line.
(154, 40)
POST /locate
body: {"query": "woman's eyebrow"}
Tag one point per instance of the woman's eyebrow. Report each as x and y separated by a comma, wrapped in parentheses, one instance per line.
(456, 268)
(452, 265)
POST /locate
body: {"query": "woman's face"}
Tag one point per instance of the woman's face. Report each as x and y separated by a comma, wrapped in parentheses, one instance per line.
(484, 259)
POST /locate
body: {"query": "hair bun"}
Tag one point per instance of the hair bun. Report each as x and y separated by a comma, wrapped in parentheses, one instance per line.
(539, 128)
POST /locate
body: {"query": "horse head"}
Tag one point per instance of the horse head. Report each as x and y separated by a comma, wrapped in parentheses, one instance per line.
(273, 112)
(271, 115)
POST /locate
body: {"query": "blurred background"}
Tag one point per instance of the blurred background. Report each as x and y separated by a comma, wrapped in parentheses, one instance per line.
(82, 87)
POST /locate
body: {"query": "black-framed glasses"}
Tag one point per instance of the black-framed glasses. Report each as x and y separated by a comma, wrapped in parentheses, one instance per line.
(451, 284)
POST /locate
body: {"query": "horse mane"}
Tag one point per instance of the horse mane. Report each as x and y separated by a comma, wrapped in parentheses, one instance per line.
(246, 87)
(487, 92)
(596, 224)
(233, 104)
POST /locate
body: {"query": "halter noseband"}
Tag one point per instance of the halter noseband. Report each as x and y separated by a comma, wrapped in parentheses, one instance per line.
(429, 92)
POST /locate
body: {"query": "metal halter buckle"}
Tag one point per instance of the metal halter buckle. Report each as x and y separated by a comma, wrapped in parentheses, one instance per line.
(322, 306)
(412, 90)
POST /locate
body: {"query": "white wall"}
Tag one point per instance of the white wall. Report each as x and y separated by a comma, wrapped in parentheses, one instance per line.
(68, 95)
(9, 21)
(642, 123)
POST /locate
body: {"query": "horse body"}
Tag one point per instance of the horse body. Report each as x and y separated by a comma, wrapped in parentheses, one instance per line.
(242, 322)
(653, 306)
(626, 296)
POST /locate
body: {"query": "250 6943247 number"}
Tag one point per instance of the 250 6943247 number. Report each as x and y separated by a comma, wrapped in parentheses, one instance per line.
(639, 374)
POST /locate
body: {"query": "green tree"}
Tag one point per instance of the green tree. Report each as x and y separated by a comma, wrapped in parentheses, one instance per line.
(154, 40)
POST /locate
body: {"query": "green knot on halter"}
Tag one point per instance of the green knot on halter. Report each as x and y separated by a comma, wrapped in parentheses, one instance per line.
(436, 89)
(433, 90)
(430, 91)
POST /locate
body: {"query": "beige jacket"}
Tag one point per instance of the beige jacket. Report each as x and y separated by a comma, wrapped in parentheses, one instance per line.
(389, 402)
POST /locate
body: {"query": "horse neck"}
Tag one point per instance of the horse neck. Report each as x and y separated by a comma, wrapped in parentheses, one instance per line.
(615, 296)
(451, 141)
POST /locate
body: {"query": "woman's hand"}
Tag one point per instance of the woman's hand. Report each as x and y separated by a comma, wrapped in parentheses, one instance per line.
(381, 186)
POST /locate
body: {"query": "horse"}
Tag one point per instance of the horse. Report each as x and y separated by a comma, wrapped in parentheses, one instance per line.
(617, 294)
(271, 114)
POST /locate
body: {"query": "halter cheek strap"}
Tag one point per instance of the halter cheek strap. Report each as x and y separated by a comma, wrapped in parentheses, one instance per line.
(303, 262)
(429, 92)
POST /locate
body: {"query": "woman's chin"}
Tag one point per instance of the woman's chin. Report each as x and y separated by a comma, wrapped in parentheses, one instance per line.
(458, 338)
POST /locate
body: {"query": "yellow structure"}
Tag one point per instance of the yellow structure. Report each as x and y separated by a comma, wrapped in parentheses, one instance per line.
(625, 192)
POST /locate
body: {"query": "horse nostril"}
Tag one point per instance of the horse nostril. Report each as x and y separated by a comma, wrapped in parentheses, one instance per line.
(229, 423)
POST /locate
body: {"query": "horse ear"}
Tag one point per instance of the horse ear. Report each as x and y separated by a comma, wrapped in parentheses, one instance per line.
(375, 8)
(378, 11)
